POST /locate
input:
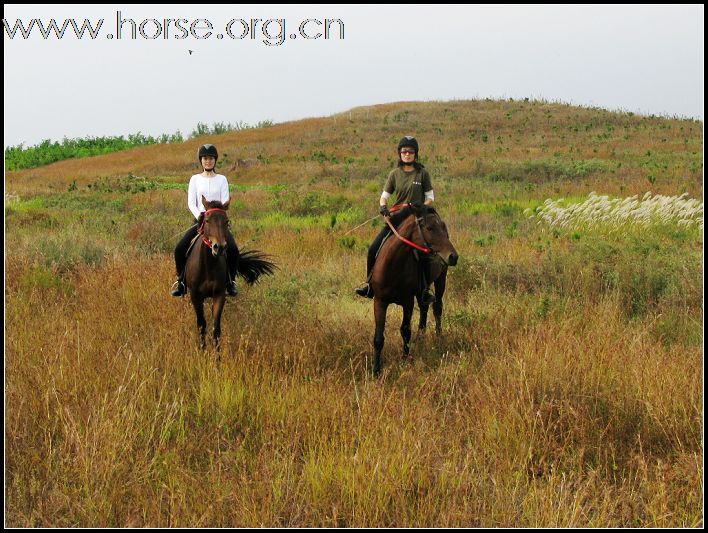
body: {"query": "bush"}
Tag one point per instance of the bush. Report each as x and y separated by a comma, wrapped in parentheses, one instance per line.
(43, 278)
(544, 170)
(312, 203)
(63, 255)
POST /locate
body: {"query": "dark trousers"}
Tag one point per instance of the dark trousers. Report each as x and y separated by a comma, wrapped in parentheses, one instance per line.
(423, 258)
(232, 253)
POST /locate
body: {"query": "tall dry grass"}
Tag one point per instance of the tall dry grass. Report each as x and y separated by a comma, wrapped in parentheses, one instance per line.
(115, 418)
(623, 214)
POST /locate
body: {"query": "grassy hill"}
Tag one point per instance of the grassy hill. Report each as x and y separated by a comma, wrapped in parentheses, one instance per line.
(566, 389)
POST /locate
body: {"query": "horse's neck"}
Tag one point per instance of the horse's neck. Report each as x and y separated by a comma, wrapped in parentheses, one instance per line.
(407, 231)
(399, 252)
(205, 257)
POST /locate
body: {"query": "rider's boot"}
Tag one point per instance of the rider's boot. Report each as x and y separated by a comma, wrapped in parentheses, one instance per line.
(178, 288)
(231, 288)
(365, 290)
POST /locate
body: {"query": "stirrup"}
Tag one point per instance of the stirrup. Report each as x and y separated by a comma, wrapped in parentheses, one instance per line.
(178, 289)
(365, 291)
(428, 297)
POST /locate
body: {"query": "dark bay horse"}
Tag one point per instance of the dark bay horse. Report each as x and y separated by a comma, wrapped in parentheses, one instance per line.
(395, 277)
(206, 273)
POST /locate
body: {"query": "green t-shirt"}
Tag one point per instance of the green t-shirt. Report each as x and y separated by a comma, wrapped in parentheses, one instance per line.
(408, 186)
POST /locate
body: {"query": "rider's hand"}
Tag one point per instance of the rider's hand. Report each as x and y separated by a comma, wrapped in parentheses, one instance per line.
(384, 211)
(416, 205)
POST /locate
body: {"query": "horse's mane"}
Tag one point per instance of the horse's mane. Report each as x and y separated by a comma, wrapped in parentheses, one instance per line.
(216, 204)
(425, 210)
(411, 217)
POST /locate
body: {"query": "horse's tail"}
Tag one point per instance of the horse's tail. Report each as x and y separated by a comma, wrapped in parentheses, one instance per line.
(252, 264)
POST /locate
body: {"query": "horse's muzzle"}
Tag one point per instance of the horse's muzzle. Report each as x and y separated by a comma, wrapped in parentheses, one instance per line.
(217, 248)
(452, 259)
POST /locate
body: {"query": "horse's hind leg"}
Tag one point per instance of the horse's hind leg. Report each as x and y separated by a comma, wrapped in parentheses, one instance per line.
(198, 304)
(438, 305)
(380, 317)
(406, 327)
(423, 322)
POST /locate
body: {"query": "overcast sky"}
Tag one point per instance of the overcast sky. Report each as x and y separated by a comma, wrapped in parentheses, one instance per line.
(647, 60)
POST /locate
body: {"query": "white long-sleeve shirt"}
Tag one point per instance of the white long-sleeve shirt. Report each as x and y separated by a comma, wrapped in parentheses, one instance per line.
(215, 188)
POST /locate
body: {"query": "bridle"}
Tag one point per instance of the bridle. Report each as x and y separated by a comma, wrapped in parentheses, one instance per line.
(205, 239)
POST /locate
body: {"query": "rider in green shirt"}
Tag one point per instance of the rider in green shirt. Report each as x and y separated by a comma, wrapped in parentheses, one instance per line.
(411, 183)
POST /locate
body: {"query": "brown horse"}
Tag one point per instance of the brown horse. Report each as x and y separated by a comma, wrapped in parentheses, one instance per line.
(395, 277)
(206, 273)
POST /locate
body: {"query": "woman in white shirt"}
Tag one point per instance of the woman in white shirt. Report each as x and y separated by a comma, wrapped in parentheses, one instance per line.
(213, 187)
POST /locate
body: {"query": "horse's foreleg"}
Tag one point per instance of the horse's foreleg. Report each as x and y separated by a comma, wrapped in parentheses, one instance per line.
(440, 283)
(217, 308)
(380, 317)
(406, 327)
(198, 304)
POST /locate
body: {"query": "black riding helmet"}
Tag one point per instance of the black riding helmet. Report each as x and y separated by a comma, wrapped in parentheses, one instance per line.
(206, 150)
(408, 141)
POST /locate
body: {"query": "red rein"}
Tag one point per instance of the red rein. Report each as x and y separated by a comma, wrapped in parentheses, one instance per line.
(409, 243)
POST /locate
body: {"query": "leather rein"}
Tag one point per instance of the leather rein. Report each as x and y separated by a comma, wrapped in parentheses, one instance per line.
(425, 249)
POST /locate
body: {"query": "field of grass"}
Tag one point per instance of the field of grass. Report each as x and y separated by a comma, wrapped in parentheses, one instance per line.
(566, 389)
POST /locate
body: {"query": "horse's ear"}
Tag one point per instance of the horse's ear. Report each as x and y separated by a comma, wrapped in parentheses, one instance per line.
(205, 203)
(226, 205)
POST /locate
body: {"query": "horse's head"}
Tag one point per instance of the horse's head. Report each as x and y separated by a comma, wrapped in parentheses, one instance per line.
(433, 232)
(215, 227)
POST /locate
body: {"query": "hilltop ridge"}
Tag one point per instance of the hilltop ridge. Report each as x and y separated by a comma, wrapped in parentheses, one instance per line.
(502, 139)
